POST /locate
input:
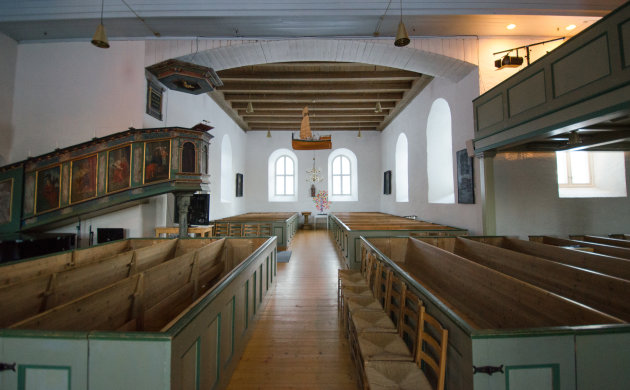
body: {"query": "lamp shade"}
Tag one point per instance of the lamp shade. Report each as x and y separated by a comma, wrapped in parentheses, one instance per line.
(402, 39)
(250, 108)
(100, 38)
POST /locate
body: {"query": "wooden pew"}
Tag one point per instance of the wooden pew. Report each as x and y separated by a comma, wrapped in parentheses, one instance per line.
(601, 240)
(597, 248)
(609, 265)
(21, 300)
(601, 292)
(145, 301)
(488, 299)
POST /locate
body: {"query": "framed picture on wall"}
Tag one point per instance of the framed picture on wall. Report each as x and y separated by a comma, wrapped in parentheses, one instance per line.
(239, 185)
(387, 182)
(465, 183)
(83, 179)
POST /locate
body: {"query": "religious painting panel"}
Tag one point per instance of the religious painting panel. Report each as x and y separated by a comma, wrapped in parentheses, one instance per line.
(118, 169)
(65, 184)
(29, 193)
(157, 157)
(47, 189)
(6, 200)
(83, 179)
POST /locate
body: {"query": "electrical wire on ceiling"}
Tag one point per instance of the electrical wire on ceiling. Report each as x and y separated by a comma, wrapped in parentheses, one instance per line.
(155, 33)
(377, 31)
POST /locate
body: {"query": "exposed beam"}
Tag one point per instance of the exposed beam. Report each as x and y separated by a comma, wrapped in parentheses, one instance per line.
(360, 97)
(308, 87)
(417, 87)
(313, 107)
(297, 76)
(298, 113)
(599, 140)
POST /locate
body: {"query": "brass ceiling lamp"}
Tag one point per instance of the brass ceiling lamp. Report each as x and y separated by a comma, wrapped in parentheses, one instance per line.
(100, 38)
(359, 134)
(378, 108)
(268, 133)
(250, 106)
(402, 39)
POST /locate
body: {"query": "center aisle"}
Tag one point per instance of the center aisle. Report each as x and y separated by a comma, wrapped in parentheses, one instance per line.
(298, 342)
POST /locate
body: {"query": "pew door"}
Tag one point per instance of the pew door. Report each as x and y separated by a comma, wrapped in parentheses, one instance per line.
(51, 363)
(528, 362)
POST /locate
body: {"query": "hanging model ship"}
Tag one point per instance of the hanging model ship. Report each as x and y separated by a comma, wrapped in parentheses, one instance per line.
(307, 141)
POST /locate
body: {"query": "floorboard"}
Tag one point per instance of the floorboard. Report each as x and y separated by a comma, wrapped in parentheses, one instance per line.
(298, 342)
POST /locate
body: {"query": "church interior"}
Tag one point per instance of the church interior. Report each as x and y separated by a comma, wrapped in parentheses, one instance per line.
(350, 171)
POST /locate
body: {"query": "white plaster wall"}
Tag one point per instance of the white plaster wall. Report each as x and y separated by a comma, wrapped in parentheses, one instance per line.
(68, 93)
(413, 122)
(366, 148)
(527, 201)
(8, 59)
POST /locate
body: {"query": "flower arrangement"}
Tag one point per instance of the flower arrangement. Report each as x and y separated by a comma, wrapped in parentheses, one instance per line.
(321, 201)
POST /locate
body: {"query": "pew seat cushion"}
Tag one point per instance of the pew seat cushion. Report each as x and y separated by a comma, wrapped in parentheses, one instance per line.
(395, 375)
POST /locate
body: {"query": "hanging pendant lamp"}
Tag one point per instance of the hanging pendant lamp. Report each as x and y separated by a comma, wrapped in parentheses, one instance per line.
(268, 133)
(402, 39)
(378, 107)
(250, 108)
(359, 134)
(100, 37)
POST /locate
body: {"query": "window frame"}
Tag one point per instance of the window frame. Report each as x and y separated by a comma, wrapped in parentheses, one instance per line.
(569, 172)
(353, 196)
(284, 175)
(271, 176)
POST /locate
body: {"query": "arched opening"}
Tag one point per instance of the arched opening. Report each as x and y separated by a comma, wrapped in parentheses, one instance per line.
(227, 182)
(189, 157)
(402, 169)
(440, 153)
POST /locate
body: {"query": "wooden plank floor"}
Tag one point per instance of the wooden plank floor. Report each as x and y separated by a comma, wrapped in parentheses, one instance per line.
(298, 342)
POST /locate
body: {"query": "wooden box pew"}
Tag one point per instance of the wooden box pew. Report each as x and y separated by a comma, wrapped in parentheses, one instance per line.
(597, 248)
(347, 228)
(500, 324)
(620, 236)
(609, 265)
(45, 265)
(30, 297)
(282, 225)
(605, 293)
(177, 325)
(602, 240)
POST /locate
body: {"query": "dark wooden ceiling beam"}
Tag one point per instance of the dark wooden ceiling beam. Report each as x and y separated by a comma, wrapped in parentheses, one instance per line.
(314, 107)
(313, 114)
(323, 129)
(254, 88)
(297, 76)
(316, 121)
(360, 97)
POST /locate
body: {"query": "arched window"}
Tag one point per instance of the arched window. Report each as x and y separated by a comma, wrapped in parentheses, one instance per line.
(189, 157)
(282, 177)
(402, 169)
(440, 154)
(343, 176)
(227, 175)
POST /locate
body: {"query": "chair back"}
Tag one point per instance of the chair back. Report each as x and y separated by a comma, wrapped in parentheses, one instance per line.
(410, 319)
(221, 229)
(250, 230)
(431, 351)
(235, 229)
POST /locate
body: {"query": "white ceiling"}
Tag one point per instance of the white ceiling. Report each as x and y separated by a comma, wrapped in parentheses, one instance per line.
(44, 20)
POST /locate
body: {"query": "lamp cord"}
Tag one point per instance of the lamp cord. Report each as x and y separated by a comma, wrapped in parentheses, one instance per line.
(102, 7)
(380, 19)
(157, 34)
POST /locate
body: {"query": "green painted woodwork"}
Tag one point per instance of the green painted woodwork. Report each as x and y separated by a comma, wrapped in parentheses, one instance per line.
(199, 349)
(562, 358)
(584, 79)
(35, 377)
(99, 196)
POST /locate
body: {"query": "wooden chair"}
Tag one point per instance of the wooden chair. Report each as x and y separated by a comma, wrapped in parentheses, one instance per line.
(265, 229)
(380, 346)
(360, 282)
(250, 230)
(430, 356)
(221, 229)
(235, 229)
